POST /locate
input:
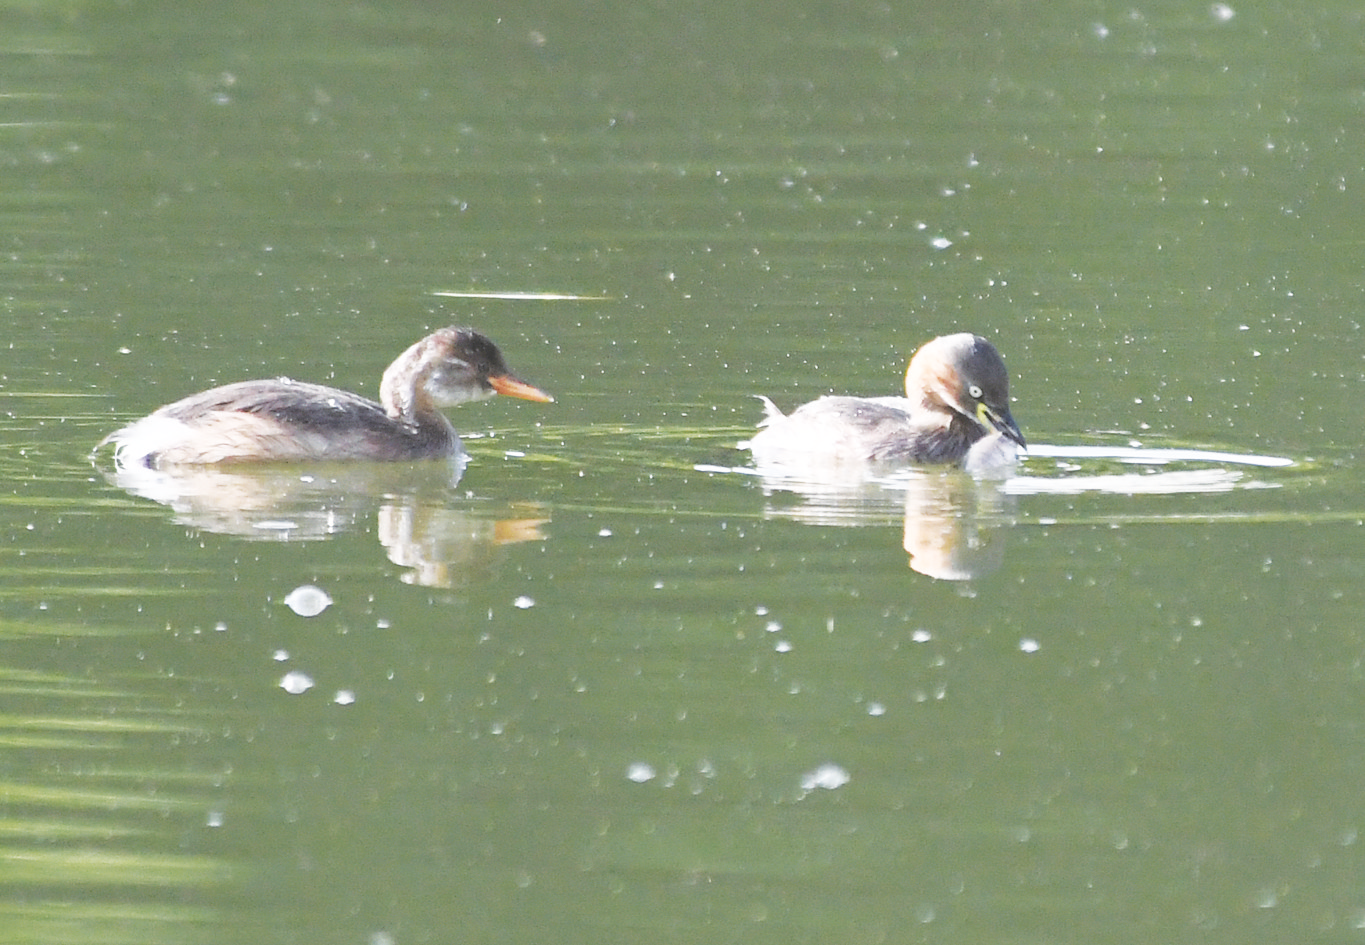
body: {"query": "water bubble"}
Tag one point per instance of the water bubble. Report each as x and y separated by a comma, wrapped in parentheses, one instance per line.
(307, 600)
(826, 777)
(295, 682)
(640, 772)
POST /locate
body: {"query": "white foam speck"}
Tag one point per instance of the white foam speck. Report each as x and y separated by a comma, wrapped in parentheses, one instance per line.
(640, 772)
(827, 777)
(307, 600)
(296, 682)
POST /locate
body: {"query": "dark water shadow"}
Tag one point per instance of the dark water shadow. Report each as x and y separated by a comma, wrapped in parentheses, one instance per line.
(94, 849)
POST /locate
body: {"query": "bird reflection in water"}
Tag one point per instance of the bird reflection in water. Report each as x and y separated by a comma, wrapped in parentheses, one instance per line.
(444, 546)
(418, 521)
(953, 524)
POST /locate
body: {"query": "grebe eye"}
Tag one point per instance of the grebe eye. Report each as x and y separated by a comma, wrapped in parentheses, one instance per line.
(974, 391)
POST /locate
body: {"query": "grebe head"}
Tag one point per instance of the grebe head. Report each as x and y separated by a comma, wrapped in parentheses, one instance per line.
(449, 367)
(470, 367)
(964, 374)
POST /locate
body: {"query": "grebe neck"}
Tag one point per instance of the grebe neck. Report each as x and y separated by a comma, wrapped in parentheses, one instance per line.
(403, 390)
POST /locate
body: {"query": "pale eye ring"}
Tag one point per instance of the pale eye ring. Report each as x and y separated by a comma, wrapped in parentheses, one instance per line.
(974, 391)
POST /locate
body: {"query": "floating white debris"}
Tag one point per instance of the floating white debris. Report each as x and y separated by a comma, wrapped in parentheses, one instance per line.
(921, 636)
(296, 682)
(1166, 483)
(1136, 453)
(280, 656)
(521, 296)
(640, 772)
(344, 697)
(524, 603)
(307, 600)
(826, 777)
(1028, 645)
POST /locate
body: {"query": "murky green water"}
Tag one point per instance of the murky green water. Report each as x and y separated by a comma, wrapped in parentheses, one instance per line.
(609, 687)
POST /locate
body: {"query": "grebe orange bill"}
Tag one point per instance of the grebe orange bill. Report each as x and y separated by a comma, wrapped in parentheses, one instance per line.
(283, 419)
(956, 395)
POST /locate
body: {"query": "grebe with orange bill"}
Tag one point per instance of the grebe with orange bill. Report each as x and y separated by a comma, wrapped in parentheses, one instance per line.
(284, 420)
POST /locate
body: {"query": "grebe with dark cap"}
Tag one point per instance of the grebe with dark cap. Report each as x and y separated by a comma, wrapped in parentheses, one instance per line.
(283, 419)
(955, 410)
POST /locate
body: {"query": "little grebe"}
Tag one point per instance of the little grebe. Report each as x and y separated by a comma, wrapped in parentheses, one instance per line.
(282, 419)
(955, 410)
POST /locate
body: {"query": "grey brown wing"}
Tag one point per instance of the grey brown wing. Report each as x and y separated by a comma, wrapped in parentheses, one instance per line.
(290, 402)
